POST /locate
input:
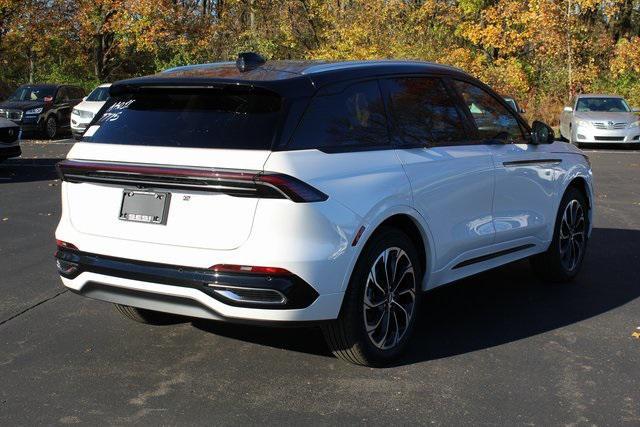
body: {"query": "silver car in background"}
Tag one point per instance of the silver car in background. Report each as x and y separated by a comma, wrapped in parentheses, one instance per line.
(600, 119)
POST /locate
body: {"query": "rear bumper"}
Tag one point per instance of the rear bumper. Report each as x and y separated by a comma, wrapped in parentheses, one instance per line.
(265, 291)
(189, 292)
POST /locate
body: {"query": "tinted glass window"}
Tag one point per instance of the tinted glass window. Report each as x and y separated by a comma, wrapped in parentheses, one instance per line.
(424, 112)
(62, 95)
(609, 105)
(217, 118)
(33, 93)
(99, 94)
(354, 117)
(77, 92)
(493, 119)
(512, 103)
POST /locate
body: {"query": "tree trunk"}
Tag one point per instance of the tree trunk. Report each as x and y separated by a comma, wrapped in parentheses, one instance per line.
(98, 64)
(252, 16)
(32, 65)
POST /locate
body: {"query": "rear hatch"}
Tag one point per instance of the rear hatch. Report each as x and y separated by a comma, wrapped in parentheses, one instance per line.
(173, 166)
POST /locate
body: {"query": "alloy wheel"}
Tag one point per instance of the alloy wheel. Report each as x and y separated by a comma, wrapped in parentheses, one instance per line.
(389, 298)
(51, 128)
(572, 235)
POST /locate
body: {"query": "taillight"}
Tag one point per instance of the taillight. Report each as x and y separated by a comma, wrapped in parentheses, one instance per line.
(238, 183)
(65, 245)
(293, 188)
(249, 269)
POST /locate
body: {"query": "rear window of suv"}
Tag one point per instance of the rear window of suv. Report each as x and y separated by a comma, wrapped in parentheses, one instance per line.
(233, 118)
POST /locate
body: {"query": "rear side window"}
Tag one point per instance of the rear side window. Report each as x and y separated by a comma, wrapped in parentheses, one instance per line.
(352, 119)
(232, 118)
(424, 112)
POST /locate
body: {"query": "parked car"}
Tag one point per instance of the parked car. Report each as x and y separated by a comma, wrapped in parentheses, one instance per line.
(42, 108)
(513, 104)
(83, 113)
(291, 192)
(597, 119)
(9, 139)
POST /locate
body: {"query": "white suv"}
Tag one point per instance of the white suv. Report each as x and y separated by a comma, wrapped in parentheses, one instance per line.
(315, 193)
(83, 113)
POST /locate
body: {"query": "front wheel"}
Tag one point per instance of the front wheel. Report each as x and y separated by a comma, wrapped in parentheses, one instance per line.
(381, 304)
(51, 128)
(563, 260)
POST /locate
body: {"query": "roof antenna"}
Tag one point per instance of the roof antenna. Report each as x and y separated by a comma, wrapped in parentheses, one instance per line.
(248, 61)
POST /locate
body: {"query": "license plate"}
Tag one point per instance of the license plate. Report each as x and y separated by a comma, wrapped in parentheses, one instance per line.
(145, 206)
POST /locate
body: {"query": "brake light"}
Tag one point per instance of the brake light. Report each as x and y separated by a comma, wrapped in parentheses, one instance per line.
(293, 188)
(242, 183)
(249, 269)
(65, 245)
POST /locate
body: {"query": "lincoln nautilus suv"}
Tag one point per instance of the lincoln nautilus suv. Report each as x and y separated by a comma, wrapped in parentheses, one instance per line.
(313, 193)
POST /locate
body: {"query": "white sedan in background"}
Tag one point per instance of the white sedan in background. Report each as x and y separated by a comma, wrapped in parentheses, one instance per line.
(598, 119)
(83, 113)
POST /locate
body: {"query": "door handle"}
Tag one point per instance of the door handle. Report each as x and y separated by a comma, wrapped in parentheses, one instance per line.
(530, 162)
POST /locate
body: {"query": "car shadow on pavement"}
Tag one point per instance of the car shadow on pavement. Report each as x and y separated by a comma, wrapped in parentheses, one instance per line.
(28, 170)
(497, 307)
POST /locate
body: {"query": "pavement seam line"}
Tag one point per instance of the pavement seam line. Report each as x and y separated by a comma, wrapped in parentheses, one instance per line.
(32, 307)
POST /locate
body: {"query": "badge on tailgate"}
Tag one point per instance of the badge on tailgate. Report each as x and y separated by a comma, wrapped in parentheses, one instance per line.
(145, 206)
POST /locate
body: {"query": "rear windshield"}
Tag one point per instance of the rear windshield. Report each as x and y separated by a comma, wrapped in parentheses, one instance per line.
(237, 118)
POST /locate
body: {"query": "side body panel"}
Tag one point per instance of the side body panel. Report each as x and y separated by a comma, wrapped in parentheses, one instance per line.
(526, 190)
(453, 191)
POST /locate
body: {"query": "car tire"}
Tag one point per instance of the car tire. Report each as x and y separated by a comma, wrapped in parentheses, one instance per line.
(563, 260)
(376, 321)
(51, 127)
(148, 317)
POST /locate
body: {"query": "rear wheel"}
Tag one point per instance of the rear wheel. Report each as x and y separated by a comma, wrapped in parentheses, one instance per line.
(381, 304)
(563, 260)
(150, 317)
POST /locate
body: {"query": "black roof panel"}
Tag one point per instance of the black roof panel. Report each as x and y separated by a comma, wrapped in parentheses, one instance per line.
(290, 77)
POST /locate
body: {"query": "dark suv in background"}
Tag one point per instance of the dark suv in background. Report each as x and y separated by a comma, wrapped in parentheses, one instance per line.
(42, 108)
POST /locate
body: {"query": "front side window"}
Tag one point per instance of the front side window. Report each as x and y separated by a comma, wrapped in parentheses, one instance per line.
(231, 118)
(494, 120)
(602, 104)
(424, 112)
(63, 95)
(353, 118)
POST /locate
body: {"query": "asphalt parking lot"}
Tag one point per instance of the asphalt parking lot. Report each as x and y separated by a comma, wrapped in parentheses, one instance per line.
(501, 348)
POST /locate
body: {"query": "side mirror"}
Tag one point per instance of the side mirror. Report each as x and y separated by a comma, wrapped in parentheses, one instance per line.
(635, 110)
(568, 109)
(521, 111)
(541, 133)
(84, 98)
